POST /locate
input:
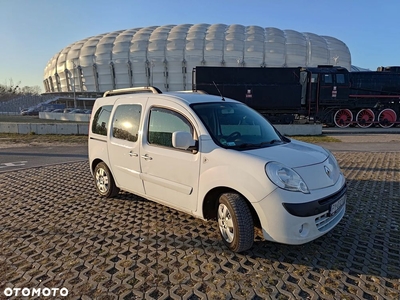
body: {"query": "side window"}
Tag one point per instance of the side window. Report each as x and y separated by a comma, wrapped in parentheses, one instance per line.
(163, 123)
(126, 122)
(328, 78)
(101, 119)
(340, 79)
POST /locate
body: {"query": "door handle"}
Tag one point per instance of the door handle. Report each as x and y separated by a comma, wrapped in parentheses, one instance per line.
(147, 157)
(133, 154)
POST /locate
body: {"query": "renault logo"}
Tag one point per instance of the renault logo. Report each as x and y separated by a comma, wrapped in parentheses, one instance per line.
(327, 171)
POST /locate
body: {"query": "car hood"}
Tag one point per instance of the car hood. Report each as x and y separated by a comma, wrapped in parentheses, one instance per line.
(294, 154)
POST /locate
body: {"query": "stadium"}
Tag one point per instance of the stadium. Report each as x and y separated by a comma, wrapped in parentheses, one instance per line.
(163, 56)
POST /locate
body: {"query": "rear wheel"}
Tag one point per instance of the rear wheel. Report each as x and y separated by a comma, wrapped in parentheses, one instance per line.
(387, 118)
(105, 184)
(235, 222)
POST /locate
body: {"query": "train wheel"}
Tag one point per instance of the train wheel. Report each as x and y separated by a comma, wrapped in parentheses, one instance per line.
(343, 118)
(365, 118)
(387, 118)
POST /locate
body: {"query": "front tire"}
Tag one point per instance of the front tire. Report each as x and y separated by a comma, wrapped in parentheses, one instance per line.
(235, 222)
(104, 181)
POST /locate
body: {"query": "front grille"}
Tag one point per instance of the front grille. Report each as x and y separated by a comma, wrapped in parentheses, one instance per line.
(333, 198)
(327, 221)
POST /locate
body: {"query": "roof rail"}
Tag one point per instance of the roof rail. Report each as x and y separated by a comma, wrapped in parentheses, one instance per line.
(134, 90)
(192, 91)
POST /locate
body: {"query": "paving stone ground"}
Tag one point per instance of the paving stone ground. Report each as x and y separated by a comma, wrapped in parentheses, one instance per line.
(56, 232)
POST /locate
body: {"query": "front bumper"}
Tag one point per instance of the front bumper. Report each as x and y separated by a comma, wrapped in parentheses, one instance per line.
(296, 218)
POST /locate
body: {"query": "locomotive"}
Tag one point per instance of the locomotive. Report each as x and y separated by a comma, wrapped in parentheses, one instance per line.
(327, 94)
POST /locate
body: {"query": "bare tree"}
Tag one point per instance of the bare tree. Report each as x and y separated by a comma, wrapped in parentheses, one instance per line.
(11, 88)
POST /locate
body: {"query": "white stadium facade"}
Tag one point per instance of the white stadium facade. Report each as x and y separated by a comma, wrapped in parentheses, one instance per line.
(164, 56)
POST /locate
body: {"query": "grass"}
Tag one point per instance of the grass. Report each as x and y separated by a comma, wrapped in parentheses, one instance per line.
(14, 139)
(315, 138)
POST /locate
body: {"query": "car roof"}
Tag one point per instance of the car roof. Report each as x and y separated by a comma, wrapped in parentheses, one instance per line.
(184, 97)
(192, 98)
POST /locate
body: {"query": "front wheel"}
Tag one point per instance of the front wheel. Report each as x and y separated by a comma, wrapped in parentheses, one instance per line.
(105, 184)
(235, 222)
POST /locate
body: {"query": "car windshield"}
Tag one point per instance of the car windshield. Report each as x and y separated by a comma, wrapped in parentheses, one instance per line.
(237, 126)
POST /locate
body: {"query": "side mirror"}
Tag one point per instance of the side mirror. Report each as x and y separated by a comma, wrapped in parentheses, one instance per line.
(183, 140)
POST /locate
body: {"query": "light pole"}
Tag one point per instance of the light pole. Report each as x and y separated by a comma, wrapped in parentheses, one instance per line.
(73, 70)
(152, 67)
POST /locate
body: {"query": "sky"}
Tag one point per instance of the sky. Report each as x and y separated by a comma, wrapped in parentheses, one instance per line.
(33, 31)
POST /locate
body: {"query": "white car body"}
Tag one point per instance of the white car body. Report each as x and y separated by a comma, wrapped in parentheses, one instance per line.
(192, 180)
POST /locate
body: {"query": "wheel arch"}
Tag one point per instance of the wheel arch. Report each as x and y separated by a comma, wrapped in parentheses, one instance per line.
(95, 162)
(210, 204)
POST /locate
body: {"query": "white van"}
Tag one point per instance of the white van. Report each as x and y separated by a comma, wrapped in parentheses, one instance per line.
(214, 158)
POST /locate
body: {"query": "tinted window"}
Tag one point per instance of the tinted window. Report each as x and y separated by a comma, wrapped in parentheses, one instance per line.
(101, 119)
(163, 123)
(126, 122)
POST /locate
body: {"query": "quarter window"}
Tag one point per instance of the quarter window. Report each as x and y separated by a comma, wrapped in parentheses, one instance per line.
(126, 122)
(163, 123)
(101, 119)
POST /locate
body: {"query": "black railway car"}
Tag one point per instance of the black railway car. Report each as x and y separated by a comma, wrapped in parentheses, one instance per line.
(280, 94)
(326, 94)
(271, 91)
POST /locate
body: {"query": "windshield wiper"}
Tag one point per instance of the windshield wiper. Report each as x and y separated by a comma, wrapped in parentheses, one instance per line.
(275, 141)
(253, 145)
(247, 145)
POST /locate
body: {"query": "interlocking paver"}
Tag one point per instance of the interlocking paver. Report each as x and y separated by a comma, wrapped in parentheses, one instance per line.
(55, 232)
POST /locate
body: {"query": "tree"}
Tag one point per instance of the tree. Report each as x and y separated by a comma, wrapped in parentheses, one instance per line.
(32, 90)
(11, 88)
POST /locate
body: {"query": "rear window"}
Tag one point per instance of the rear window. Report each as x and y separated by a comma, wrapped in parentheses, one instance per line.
(101, 119)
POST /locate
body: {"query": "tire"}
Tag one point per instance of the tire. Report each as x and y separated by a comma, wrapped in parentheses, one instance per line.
(235, 222)
(104, 181)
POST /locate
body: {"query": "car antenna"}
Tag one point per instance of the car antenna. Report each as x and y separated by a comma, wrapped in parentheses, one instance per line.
(222, 97)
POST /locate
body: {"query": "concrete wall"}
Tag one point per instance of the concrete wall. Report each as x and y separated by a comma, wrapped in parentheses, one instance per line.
(303, 129)
(65, 117)
(77, 128)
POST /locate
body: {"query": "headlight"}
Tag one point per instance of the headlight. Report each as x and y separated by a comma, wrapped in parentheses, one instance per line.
(285, 177)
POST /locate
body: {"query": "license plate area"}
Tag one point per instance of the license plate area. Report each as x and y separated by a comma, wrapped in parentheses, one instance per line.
(336, 206)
